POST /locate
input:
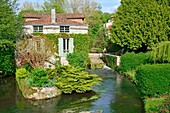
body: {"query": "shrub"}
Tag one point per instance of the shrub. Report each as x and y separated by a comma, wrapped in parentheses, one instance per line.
(7, 58)
(39, 78)
(39, 72)
(75, 79)
(21, 73)
(78, 59)
(129, 61)
(111, 61)
(153, 80)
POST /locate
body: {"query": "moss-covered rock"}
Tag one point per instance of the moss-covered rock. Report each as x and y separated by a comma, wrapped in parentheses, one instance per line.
(36, 93)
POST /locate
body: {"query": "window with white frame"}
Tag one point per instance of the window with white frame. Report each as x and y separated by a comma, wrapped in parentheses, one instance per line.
(64, 29)
(38, 28)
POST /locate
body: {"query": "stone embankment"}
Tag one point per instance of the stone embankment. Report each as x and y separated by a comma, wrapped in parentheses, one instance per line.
(37, 93)
(95, 60)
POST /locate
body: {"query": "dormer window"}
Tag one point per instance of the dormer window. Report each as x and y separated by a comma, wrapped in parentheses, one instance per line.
(64, 29)
(38, 29)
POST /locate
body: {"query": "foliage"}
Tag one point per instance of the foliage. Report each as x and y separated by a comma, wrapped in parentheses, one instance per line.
(111, 61)
(161, 53)
(33, 58)
(113, 48)
(77, 59)
(97, 32)
(36, 78)
(39, 72)
(153, 80)
(142, 25)
(80, 56)
(75, 79)
(7, 58)
(46, 7)
(21, 73)
(161, 105)
(28, 54)
(129, 61)
(10, 28)
(57, 4)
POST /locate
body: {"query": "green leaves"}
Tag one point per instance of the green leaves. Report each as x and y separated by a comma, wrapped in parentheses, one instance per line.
(75, 79)
(80, 56)
(141, 25)
(161, 53)
(153, 80)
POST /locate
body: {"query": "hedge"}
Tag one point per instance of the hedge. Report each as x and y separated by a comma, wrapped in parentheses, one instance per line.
(153, 80)
(129, 61)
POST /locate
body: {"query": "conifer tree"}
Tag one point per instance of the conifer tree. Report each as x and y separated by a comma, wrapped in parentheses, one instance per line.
(140, 24)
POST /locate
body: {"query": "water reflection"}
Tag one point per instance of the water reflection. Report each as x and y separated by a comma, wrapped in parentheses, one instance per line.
(115, 94)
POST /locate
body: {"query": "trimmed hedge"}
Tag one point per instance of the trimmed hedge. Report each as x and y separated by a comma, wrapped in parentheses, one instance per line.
(153, 80)
(111, 61)
(129, 61)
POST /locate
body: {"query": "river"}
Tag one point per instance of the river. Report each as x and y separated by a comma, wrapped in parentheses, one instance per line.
(115, 94)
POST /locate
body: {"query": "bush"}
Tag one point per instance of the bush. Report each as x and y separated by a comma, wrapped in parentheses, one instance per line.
(153, 80)
(7, 58)
(78, 59)
(21, 73)
(75, 79)
(157, 105)
(129, 61)
(39, 78)
(36, 78)
(111, 61)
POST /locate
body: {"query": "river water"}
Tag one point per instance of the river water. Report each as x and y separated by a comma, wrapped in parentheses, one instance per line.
(115, 94)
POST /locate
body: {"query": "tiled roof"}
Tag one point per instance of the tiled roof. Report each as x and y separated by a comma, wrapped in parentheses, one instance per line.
(46, 18)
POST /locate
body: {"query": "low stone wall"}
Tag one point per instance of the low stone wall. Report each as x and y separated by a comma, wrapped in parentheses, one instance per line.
(36, 93)
(96, 61)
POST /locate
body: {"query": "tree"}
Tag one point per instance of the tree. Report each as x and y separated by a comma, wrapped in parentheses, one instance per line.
(10, 29)
(10, 25)
(31, 7)
(140, 24)
(60, 5)
(83, 6)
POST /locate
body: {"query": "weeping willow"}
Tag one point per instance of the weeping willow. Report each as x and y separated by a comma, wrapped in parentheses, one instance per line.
(161, 53)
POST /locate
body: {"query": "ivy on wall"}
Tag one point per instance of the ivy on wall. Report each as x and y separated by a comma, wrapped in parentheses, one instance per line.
(81, 44)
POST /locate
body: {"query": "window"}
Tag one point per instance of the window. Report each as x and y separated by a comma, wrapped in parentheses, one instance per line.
(38, 28)
(66, 45)
(64, 29)
(37, 45)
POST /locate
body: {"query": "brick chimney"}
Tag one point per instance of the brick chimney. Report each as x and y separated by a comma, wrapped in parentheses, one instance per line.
(53, 15)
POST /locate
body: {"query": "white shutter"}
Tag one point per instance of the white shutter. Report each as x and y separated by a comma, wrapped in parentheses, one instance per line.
(71, 45)
(60, 46)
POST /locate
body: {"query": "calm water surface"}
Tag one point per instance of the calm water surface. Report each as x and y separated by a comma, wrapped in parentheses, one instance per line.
(115, 94)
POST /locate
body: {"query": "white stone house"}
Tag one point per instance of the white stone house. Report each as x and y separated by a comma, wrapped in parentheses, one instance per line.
(56, 23)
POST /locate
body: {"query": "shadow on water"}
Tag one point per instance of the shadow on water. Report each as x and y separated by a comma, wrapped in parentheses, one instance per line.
(115, 94)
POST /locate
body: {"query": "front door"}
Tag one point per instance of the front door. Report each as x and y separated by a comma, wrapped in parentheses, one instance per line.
(65, 46)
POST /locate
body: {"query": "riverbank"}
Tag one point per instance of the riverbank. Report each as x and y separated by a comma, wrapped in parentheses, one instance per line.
(151, 79)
